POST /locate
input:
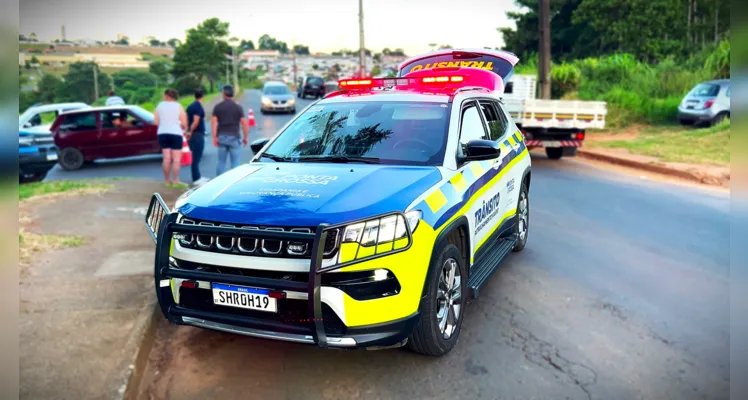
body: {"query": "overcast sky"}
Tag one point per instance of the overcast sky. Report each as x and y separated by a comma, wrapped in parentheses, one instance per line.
(323, 25)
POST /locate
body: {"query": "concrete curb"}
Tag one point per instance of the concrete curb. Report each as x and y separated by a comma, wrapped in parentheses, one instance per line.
(141, 343)
(659, 169)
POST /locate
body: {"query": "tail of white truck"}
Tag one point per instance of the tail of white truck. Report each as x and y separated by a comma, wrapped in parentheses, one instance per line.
(559, 126)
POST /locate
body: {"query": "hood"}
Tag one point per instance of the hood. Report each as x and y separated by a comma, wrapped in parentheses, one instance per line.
(278, 97)
(39, 129)
(306, 194)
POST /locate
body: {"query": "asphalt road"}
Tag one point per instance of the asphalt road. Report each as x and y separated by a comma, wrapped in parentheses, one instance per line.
(621, 293)
(150, 166)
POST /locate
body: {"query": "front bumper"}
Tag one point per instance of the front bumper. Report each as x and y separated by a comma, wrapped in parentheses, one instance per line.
(278, 107)
(41, 160)
(307, 319)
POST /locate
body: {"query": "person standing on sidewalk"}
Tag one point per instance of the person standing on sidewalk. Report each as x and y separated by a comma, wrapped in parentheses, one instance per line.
(228, 118)
(196, 135)
(171, 120)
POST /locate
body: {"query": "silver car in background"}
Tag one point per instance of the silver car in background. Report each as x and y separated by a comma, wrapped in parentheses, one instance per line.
(706, 104)
(276, 97)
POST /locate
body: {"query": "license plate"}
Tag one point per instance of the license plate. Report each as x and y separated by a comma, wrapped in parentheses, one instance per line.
(552, 143)
(243, 297)
(52, 157)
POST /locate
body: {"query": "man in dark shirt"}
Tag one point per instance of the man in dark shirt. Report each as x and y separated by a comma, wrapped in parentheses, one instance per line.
(228, 117)
(196, 135)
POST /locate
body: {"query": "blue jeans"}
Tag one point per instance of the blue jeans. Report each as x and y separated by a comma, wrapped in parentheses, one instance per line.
(228, 146)
(197, 145)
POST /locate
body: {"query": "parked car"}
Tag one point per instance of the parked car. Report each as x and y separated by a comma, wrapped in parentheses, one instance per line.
(37, 154)
(277, 97)
(104, 132)
(706, 104)
(39, 117)
(311, 86)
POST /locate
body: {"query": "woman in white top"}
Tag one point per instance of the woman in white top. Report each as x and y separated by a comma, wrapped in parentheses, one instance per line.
(171, 120)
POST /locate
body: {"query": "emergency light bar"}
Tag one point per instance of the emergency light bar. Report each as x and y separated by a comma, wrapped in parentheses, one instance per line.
(440, 78)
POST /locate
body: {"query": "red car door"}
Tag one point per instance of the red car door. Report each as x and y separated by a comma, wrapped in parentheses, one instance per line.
(143, 132)
(79, 130)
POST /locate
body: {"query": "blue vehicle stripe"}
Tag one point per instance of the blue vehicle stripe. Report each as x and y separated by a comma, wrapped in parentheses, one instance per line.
(436, 220)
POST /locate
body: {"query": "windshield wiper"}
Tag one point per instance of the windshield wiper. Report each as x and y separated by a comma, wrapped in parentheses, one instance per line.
(341, 159)
(275, 158)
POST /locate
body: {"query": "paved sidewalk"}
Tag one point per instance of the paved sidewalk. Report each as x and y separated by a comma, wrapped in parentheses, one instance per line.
(84, 310)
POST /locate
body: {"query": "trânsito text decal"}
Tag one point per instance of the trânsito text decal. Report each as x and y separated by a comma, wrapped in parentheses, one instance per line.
(487, 212)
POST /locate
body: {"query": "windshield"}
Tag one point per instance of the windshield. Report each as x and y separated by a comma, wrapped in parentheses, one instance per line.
(705, 90)
(405, 133)
(276, 90)
(315, 81)
(142, 113)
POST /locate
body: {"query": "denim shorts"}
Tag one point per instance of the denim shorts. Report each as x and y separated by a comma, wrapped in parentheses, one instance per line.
(170, 141)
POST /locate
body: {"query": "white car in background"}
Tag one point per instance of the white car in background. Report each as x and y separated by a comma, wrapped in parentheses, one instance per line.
(39, 118)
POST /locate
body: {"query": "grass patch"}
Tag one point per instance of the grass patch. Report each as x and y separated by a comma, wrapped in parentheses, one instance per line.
(30, 244)
(57, 187)
(693, 146)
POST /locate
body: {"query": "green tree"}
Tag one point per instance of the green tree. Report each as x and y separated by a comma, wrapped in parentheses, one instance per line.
(199, 55)
(49, 87)
(160, 69)
(245, 45)
(35, 60)
(315, 67)
(79, 83)
(267, 42)
(124, 41)
(301, 50)
(376, 70)
(137, 77)
(173, 43)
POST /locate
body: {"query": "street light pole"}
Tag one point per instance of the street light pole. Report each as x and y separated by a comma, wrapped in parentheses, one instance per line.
(236, 71)
(293, 54)
(361, 50)
(96, 80)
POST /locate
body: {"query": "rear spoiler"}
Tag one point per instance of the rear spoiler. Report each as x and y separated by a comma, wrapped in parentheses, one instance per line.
(497, 61)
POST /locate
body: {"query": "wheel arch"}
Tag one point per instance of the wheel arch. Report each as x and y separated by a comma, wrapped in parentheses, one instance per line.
(457, 231)
(526, 177)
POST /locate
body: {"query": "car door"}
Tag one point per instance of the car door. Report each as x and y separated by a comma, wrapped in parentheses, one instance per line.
(486, 195)
(123, 134)
(79, 130)
(502, 131)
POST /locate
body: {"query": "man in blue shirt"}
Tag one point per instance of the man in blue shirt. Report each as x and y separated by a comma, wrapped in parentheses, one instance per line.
(196, 135)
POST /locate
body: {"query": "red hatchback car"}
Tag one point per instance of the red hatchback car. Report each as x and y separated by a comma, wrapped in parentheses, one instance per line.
(104, 132)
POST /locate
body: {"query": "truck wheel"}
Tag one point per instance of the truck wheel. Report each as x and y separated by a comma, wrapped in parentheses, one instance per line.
(522, 226)
(554, 153)
(71, 158)
(443, 307)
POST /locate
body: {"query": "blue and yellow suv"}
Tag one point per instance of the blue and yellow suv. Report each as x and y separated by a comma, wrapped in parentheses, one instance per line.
(367, 221)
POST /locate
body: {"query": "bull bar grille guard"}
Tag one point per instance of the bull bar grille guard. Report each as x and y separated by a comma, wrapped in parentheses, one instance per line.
(162, 224)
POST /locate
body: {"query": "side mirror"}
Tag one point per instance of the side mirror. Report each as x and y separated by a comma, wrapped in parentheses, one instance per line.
(478, 150)
(258, 144)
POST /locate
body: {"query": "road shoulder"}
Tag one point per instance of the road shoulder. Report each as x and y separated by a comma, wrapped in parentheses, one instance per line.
(85, 309)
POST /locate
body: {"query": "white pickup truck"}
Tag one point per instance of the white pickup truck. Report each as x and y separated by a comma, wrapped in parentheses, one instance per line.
(557, 125)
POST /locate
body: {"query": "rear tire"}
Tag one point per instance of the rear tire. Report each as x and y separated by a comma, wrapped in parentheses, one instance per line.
(443, 307)
(71, 159)
(554, 153)
(522, 226)
(718, 118)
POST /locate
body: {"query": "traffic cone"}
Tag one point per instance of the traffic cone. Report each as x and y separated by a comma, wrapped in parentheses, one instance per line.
(252, 118)
(186, 154)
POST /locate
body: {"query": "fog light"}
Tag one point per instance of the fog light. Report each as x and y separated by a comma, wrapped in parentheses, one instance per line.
(380, 274)
(297, 248)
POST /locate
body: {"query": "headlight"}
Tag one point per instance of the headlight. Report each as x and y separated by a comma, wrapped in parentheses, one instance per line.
(382, 230)
(266, 101)
(292, 101)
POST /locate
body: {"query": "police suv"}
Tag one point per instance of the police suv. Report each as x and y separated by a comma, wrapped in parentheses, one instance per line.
(368, 221)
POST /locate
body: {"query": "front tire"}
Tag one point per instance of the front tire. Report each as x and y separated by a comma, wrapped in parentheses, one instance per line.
(522, 226)
(71, 159)
(554, 153)
(442, 308)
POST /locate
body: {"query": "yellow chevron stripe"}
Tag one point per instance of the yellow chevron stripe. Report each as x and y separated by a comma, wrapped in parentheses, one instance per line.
(512, 140)
(436, 200)
(458, 181)
(477, 169)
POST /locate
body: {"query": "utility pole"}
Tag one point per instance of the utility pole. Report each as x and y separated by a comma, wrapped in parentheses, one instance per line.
(227, 73)
(293, 54)
(236, 70)
(96, 79)
(544, 55)
(362, 49)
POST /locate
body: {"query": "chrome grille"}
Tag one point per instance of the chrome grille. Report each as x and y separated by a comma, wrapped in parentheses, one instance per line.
(256, 247)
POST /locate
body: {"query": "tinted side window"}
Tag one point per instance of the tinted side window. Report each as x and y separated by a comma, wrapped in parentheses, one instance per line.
(495, 118)
(471, 127)
(78, 122)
